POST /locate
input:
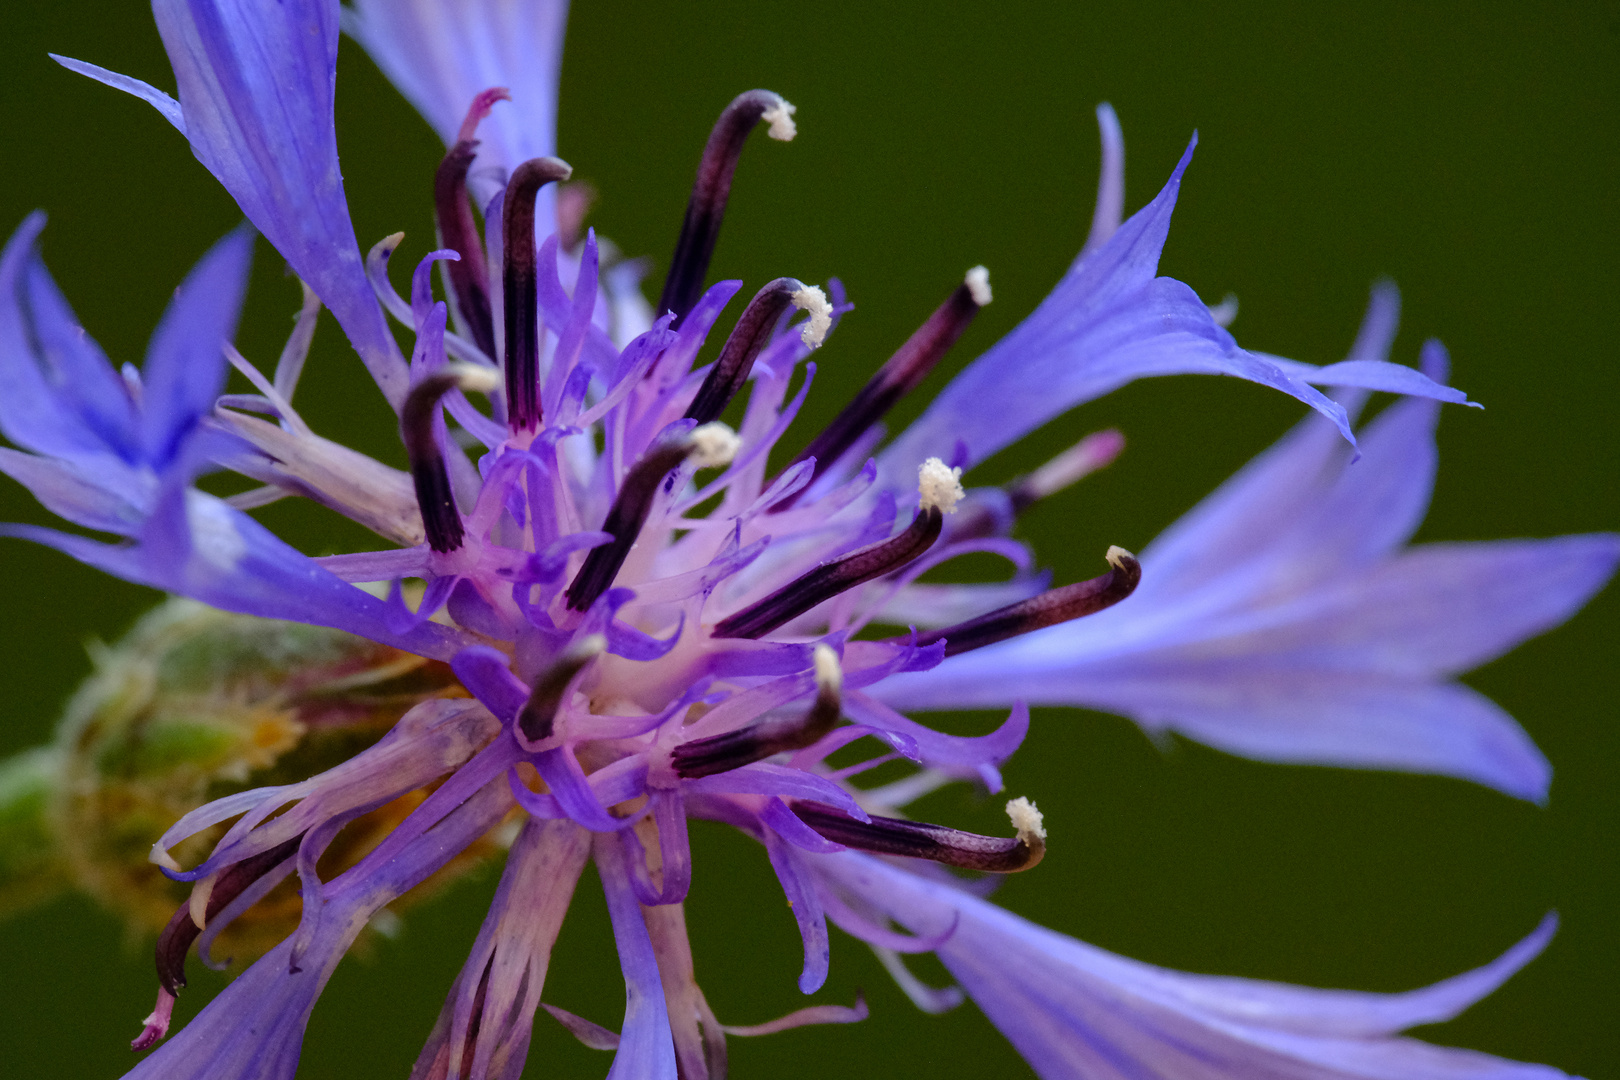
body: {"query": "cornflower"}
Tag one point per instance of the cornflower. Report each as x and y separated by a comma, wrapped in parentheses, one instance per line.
(655, 625)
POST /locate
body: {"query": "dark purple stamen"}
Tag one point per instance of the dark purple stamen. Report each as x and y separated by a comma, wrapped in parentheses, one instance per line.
(177, 937)
(441, 521)
(475, 1023)
(831, 578)
(1048, 609)
(707, 208)
(894, 380)
(521, 301)
(919, 840)
(539, 715)
(469, 278)
(748, 338)
(624, 521)
(759, 740)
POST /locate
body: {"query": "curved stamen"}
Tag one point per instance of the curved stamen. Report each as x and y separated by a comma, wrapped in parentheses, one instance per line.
(919, 840)
(468, 278)
(750, 336)
(441, 521)
(521, 302)
(1048, 609)
(707, 208)
(759, 740)
(539, 715)
(710, 447)
(940, 492)
(910, 364)
(1096, 451)
(982, 518)
(183, 928)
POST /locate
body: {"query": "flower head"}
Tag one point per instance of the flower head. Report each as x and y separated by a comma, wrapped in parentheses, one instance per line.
(654, 622)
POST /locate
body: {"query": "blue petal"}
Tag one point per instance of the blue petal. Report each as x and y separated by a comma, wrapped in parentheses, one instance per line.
(185, 363)
(163, 103)
(1075, 1010)
(1281, 620)
(256, 89)
(442, 55)
(198, 546)
(1108, 322)
(58, 393)
(106, 495)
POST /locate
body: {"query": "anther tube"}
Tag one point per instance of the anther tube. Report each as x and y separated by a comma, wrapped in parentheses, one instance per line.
(707, 208)
(624, 521)
(1048, 609)
(748, 338)
(919, 840)
(894, 380)
(518, 289)
(468, 278)
(831, 578)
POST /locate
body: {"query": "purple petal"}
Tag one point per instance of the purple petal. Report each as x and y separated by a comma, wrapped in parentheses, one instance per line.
(800, 887)
(786, 824)
(256, 88)
(514, 949)
(563, 775)
(767, 778)
(1110, 209)
(254, 1029)
(646, 1045)
(1371, 375)
(484, 671)
(957, 751)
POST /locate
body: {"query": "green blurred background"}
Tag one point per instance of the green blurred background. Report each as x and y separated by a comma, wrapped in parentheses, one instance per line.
(1468, 151)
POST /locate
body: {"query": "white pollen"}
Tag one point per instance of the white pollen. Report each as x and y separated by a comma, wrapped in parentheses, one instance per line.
(780, 117)
(939, 485)
(474, 378)
(1026, 819)
(829, 672)
(814, 302)
(714, 445)
(978, 283)
(1117, 555)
